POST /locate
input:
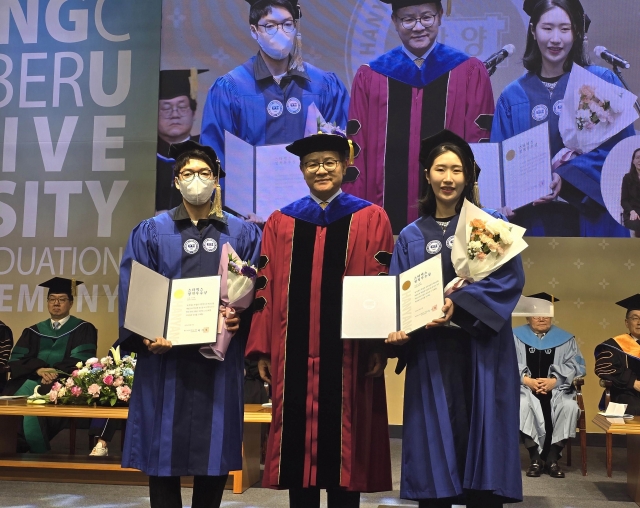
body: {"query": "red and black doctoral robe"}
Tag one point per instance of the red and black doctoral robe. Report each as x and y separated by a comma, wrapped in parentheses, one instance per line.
(329, 426)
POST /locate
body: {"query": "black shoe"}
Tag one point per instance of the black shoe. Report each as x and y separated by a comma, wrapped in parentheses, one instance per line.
(535, 469)
(555, 471)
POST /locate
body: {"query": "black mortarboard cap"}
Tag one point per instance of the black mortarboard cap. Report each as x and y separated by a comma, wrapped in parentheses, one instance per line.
(319, 143)
(176, 83)
(574, 5)
(445, 136)
(545, 296)
(60, 285)
(261, 3)
(631, 303)
(178, 149)
(399, 4)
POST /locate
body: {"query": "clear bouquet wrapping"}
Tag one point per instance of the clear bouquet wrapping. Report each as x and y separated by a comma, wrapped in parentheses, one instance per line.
(238, 279)
(593, 111)
(482, 244)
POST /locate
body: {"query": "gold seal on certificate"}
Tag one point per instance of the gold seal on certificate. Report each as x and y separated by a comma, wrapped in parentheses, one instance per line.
(183, 311)
(372, 307)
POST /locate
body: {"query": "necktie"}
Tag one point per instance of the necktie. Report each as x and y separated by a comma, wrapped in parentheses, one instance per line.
(56, 325)
(419, 62)
(324, 204)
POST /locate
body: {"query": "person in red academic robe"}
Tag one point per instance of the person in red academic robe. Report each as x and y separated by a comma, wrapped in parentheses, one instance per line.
(407, 94)
(329, 428)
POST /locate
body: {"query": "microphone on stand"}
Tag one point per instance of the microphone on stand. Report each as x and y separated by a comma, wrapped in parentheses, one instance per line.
(492, 62)
(611, 58)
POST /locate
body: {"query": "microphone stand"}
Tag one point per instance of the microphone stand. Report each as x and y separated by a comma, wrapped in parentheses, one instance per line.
(618, 72)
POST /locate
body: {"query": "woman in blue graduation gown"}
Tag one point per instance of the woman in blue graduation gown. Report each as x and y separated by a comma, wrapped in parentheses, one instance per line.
(555, 41)
(186, 411)
(461, 401)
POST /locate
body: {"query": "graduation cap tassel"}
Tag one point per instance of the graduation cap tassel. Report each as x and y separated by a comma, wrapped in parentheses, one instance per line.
(476, 190)
(193, 83)
(351, 153)
(217, 202)
(449, 2)
(74, 291)
(296, 58)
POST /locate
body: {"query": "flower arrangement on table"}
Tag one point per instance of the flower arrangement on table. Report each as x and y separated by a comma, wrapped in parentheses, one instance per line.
(238, 278)
(106, 382)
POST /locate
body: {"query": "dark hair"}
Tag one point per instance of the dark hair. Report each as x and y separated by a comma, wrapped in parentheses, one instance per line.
(633, 169)
(427, 204)
(193, 104)
(532, 59)
(438, 4)
(184, 158)
(263, 9)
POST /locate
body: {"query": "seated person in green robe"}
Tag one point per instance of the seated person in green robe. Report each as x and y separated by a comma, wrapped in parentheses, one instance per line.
(42, 351)
(549, 359)
(6, 345)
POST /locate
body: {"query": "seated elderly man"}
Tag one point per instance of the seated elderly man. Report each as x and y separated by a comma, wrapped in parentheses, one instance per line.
(549, 360)
(618, 359)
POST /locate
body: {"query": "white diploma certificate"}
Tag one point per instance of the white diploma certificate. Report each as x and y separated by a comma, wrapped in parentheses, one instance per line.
(184, 311)
(373, 307)
(526, 163)
(262, 179)
(515, 172)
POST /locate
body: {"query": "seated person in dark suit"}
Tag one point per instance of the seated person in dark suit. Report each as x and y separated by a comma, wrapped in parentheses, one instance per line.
(44, 349)
(618, 359)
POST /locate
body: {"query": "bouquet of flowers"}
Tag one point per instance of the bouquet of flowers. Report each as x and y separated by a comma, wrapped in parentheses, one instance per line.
(105, 381)
(482, 244)
(316, 123)
(593, 111)
(238, 278)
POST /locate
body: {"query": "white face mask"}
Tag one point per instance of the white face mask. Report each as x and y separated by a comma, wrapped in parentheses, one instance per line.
(278, 46)
(196, 191)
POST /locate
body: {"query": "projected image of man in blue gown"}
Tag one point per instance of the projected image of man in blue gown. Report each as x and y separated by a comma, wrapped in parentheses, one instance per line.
(556, 39)
(265, 100)
(186, 411)
(461, 394)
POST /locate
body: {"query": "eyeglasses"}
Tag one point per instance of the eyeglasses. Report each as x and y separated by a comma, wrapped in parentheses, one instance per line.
(188, 176)
(272, 28)
(634, 319)
(55, 299)
(425, 21)
(167, 112)
(329, 165)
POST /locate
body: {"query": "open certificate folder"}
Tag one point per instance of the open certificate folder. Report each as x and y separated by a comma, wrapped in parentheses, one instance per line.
(183, 311)
(515, 172)
(373, 307)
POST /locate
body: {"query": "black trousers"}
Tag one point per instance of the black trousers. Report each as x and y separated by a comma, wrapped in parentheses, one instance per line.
(207, 491)
(310, 498)
(475, 499)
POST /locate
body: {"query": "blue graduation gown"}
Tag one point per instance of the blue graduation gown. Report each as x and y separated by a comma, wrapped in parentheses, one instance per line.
(185, 412)
(461, 400)
(580, 176)
(255, 108)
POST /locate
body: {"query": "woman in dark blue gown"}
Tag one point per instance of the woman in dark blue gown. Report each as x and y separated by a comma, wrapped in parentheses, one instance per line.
(461, 401)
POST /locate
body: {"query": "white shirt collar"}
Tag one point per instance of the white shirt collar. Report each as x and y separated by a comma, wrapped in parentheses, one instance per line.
(414, 57)
(62, 322)
(318, 200)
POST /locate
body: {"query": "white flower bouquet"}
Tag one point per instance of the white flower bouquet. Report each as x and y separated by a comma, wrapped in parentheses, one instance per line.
(482, 244)
(238, 278)
(593, 111)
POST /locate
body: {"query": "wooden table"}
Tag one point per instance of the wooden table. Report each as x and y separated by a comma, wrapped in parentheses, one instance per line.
(105, 470)
(630, 428)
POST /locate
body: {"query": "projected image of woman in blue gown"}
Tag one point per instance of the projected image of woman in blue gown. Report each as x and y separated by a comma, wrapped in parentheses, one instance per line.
(556, 39)
(461, 396)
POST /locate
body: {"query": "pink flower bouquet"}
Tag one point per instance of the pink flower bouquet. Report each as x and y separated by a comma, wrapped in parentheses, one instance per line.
(237, 281)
